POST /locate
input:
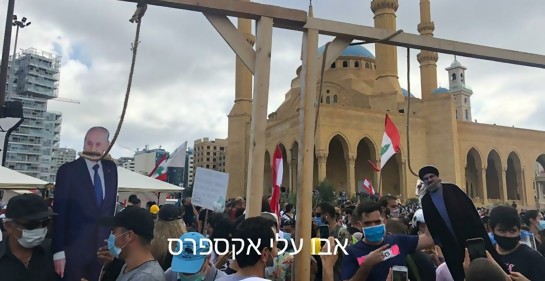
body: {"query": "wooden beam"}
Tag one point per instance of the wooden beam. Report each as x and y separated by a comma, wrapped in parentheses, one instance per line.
(307, 117)
(334, 28)
(283, 17)
(256, 164)
(234, 39)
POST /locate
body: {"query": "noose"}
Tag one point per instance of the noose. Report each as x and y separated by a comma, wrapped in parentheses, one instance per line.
(134, 49)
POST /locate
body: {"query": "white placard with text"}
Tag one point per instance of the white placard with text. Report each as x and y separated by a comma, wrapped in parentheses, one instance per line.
(210, 189)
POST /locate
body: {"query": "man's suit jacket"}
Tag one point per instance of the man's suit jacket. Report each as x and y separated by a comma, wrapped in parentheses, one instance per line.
(75, 228)
(466, 224)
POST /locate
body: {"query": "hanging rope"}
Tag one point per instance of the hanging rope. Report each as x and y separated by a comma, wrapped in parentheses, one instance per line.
(134, 49)
(409, 111)
(322, 71)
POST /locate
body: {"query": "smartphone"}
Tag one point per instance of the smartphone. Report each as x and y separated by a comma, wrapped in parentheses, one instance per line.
(528, 239)
(400, 273)
(324, 231)
(476, 248)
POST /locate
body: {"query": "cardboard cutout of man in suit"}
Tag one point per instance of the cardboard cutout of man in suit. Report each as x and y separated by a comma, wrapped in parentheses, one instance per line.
(452, 219)
(85, 190)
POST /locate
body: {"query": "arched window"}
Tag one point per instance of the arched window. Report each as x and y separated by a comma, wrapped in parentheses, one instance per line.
(321, 99)
(467, 114)
(374, 66)
(366, 65)
(345, 64)
(453, 76)
(357, 64)
(335, 99)
(327, 100)
(333, 65)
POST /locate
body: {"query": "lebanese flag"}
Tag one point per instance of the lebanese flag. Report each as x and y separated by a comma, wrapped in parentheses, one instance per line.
(160, 171)
(390, 142)
(277, 173)
(368, 187)
(177, 159)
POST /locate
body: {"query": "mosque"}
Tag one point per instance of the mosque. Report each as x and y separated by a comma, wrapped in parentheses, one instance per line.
(492, 164)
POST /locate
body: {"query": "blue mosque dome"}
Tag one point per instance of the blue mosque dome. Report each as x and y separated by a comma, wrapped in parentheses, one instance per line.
(352, 51)
(440, 90)
(405, 93)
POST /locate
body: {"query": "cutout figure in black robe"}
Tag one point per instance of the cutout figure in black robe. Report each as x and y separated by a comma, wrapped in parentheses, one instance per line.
(452, 219)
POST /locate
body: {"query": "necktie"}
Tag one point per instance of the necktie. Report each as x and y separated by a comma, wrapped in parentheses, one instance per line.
(98, 185)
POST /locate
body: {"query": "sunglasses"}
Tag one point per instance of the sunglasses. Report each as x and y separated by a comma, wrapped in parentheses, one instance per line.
(30, 225)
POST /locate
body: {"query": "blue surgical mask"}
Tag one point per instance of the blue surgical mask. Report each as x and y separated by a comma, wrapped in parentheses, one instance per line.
(374, 234)
(195, 277)
(114, 250)
(541, 225)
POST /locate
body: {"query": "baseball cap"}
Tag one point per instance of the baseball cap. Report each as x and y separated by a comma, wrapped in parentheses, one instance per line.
(169, 212)
(28, 207)
(418, 217)
(138, 220)
(154, 209)
(193, 256)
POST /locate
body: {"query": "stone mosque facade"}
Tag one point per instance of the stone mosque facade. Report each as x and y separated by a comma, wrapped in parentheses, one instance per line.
(492, 164)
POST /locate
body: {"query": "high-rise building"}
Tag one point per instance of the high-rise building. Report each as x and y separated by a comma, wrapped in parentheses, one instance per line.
(188, 171)
(126, 162)
(145, 160)
(61, 156)
(33, 80)
(210, 154)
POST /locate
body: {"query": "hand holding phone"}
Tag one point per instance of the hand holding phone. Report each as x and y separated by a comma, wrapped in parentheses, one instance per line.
(476, 248)
(400, 273)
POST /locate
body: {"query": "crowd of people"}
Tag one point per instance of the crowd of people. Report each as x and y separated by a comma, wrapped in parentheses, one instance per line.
(138, 246)
(441, 238)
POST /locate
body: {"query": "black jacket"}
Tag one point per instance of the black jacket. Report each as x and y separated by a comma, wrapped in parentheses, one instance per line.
(466, 224)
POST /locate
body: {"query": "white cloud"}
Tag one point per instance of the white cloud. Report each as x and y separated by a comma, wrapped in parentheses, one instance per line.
(183, 85)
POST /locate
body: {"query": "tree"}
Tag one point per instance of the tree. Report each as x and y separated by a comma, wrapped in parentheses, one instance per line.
(326, 192)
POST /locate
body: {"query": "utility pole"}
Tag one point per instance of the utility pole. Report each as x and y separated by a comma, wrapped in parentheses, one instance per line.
(5, 52)
(11, 113)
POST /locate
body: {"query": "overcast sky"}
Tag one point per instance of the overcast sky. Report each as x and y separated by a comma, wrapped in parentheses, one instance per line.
(183, 86)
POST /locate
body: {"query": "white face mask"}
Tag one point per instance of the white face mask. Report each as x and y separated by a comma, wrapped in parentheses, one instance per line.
(32, 238)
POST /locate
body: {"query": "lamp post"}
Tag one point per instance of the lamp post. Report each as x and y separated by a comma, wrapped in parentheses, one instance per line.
(11, 113)
(19, 24)
(5, 52)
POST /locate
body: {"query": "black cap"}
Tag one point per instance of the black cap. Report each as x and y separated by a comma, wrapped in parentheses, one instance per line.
(138, 220)
(134, 199)
(169, 212)
(427, 170)
(30, 207)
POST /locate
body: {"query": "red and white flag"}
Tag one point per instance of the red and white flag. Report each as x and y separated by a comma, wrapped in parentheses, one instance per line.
(368, 187)
(160, 171)
(391, 144)
(277, 173)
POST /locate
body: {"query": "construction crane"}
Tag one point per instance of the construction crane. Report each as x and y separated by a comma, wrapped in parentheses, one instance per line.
(66, 100)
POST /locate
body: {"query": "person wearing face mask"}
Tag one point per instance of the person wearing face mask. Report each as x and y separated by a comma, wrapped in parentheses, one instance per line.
(389, 206)
(329, 215)
(24, 251)
(534, 220)
(505, 224)
(132, 232)
(373, 256)
(452, 219)
(252, 262)
(192, 264)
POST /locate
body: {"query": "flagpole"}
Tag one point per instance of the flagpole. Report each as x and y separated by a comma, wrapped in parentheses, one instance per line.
(380, 182)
